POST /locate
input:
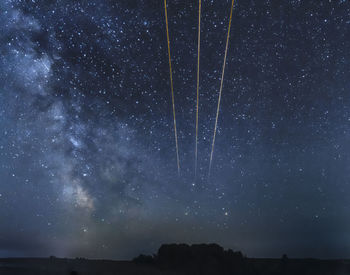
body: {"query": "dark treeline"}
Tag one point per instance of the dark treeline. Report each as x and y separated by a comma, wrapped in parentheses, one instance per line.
(210, 259)
(177, 259)
(197, 259)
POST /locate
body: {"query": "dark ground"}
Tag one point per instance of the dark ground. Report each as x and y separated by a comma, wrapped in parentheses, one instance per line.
(177, 259)
(69, 267)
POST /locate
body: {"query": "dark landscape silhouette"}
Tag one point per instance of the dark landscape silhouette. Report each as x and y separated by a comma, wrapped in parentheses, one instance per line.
(181, 259)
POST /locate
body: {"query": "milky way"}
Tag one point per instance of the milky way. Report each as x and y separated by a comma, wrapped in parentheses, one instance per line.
(87, 151)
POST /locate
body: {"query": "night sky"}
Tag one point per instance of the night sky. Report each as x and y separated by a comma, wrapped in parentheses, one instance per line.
(87, 150)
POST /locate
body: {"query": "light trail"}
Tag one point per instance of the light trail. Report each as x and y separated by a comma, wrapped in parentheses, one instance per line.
(199, 47)
(172, 87)
(220, 92)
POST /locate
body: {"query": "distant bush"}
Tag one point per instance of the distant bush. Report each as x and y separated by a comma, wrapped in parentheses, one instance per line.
(144, 259)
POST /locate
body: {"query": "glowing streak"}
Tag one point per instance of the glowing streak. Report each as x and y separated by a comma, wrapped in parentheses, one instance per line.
(199, 47)
(172, 88)
(220, 92)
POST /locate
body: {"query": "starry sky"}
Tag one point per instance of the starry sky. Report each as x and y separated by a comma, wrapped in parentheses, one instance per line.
(87, 149)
